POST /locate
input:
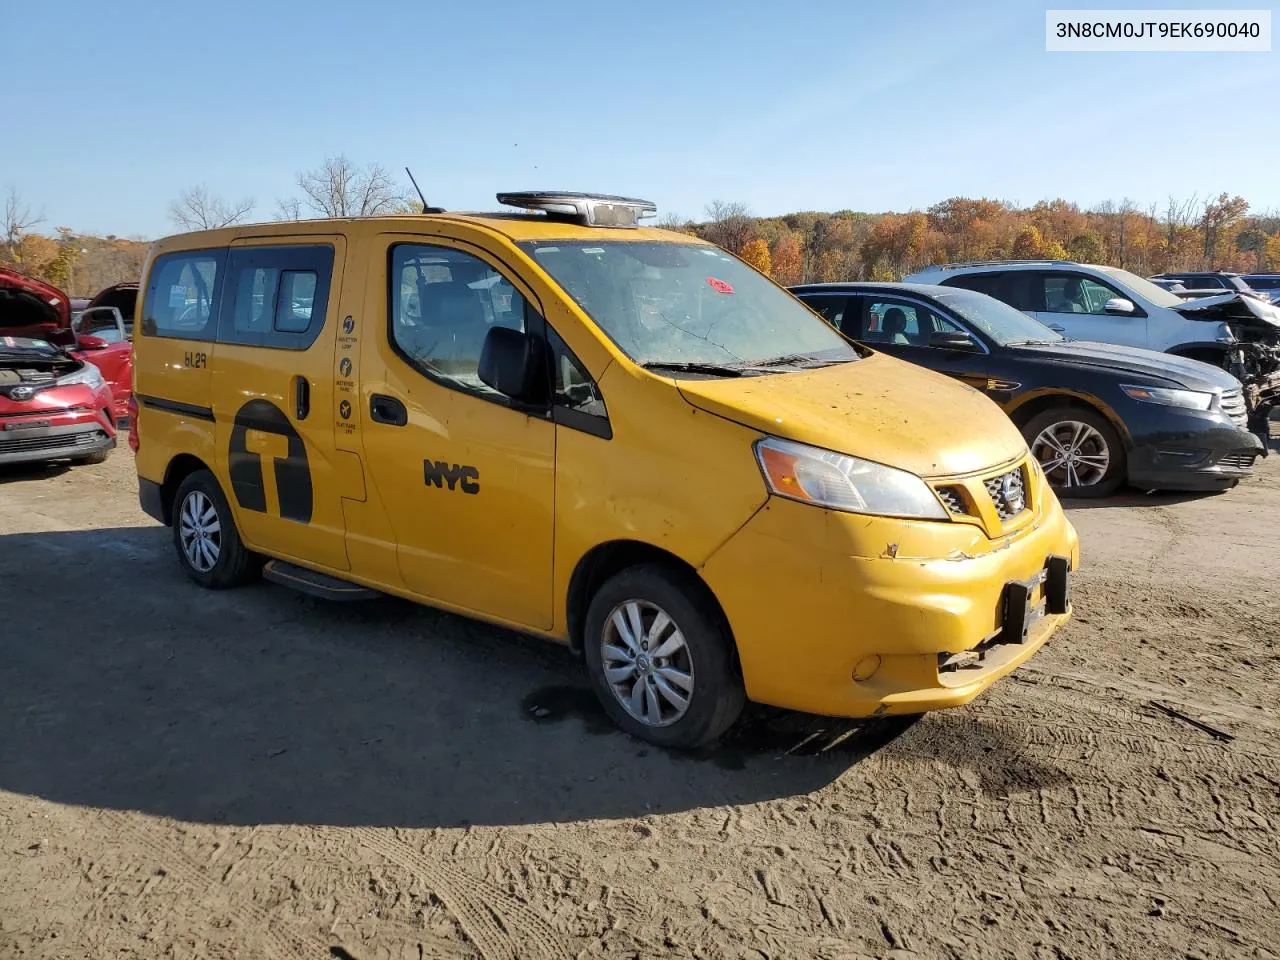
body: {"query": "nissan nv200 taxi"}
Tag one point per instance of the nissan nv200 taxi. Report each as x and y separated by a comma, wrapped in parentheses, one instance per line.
(617, 437)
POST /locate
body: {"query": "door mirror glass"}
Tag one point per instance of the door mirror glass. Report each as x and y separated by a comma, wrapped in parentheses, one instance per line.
(1119, 305)
(952, 340)
(510, 364)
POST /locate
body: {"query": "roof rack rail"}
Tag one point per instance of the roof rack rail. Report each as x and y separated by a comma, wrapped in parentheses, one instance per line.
(992, 263)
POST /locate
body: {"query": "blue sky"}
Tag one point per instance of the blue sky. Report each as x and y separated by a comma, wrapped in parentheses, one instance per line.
(782, 106)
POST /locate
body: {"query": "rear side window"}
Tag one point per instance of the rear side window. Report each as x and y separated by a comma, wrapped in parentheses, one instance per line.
(183, 293)
(827, 306)
(278, 295)
(988, 283)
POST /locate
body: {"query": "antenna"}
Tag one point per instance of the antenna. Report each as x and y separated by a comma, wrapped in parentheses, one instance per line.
(425, 208)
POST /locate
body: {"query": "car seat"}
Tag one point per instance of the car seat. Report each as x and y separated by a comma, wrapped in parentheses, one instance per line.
(895, 326)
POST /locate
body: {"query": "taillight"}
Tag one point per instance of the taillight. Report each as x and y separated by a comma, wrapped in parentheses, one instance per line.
(133, 423)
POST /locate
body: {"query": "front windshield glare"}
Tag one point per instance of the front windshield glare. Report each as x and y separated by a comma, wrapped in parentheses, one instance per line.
(663, 302)
(1144, 287)
(999, 321)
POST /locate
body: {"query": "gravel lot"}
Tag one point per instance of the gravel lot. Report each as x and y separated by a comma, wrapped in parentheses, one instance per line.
(259, 774)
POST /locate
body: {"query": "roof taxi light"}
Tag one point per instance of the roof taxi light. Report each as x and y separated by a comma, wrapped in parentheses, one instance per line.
(589, 209)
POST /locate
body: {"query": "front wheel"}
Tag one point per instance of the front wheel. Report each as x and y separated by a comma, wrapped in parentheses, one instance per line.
(659, 657)
(1079, 451)
(206, 538)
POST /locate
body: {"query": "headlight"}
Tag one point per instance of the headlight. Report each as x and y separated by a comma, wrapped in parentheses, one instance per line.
(840, 482)
(90, 376)
(1191, 399)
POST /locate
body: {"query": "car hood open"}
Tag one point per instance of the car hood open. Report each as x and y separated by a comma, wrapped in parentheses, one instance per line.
(878, 408)
(1178, 371)
(1249, 312)
(28, 302)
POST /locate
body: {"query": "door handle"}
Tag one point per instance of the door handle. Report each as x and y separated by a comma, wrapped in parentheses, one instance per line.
(388, 410)
(301, 397)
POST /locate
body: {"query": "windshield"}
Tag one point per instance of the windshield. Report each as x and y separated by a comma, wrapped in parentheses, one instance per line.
(1143, 287)
(999, 321)
(684, 303)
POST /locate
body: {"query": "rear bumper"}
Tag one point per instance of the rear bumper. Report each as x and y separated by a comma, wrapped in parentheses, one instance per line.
(54, 443)
(1211, 459)
(151, 501)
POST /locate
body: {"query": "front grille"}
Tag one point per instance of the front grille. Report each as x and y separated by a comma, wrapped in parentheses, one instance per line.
(1008, 493)
(954, 500)
(1238, 461)
(1232, 404)
(66, 441)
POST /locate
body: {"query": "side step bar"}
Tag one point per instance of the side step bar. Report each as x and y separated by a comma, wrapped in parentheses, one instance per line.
(316, 584)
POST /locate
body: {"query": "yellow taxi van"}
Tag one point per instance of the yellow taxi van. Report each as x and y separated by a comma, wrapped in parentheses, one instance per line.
(621, 438)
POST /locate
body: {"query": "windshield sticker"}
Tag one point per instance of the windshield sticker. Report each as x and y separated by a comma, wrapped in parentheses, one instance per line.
(177, 296)
(719, 286)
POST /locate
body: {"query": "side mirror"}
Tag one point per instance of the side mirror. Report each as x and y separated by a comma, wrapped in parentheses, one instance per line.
(952, 341)
(1119, 305)
(510, 362)
(87, 341)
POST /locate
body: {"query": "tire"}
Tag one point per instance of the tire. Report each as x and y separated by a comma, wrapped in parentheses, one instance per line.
(99, 457)
(1097, 441)
(232, 564)
(715, 693)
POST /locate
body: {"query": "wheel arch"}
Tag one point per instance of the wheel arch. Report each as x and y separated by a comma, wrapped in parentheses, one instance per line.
(1206, 352)
(1034, 406)
(607, 559)
(179, 468)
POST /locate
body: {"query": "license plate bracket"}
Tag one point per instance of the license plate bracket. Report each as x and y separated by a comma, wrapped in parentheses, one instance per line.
(26, 425)
(1027, 601)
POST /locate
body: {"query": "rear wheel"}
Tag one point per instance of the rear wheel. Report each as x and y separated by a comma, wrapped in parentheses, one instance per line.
(205, 535)
(659, 657)
(1079, 451)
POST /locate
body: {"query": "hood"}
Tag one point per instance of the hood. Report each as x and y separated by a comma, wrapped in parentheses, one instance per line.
(1248, 311)
(28, 302)
(1151, 364)
(877, 408)
(122, 296)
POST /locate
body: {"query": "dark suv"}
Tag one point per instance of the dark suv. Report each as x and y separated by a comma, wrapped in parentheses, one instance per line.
(1213, 283)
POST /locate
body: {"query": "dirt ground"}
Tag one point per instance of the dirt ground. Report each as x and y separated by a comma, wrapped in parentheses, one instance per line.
(258, 774)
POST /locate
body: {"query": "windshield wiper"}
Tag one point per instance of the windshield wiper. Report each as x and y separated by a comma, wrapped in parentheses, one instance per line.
(800, 360)
(716, 369)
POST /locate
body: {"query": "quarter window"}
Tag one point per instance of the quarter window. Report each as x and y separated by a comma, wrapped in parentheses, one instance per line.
(182, 295)
(443, 303)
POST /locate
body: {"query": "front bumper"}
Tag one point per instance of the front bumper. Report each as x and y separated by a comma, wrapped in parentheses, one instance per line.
(863, 615)
(1213, 457)
(54, 443)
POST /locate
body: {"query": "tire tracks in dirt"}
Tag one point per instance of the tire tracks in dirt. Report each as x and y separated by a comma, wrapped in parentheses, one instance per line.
(499, 925)
(277, 942)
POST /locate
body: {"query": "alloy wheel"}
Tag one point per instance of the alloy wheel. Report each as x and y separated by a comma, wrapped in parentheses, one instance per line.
(646, 663)
(201, 531)
(1072, 454)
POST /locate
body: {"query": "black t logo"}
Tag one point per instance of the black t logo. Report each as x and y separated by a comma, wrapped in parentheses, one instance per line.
(293, 475)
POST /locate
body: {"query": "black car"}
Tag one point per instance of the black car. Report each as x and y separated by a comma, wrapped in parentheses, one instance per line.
(1094, 414)
(1212, 283)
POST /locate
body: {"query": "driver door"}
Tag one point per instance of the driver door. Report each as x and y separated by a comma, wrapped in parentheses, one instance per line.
(467, 479)
(1075, 306)
(867, 313)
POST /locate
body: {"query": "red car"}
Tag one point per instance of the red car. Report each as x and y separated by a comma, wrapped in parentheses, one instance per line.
(53, 405)
(100, 334)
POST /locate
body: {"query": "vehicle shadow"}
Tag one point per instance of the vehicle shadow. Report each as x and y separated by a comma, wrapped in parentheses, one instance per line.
(127, 687)
(1137, 498)
(33, 471)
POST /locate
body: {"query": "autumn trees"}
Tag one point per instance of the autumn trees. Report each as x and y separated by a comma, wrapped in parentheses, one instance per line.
(823, 247)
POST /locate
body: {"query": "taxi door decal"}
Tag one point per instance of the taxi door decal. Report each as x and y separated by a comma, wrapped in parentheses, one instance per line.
(293, 474)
